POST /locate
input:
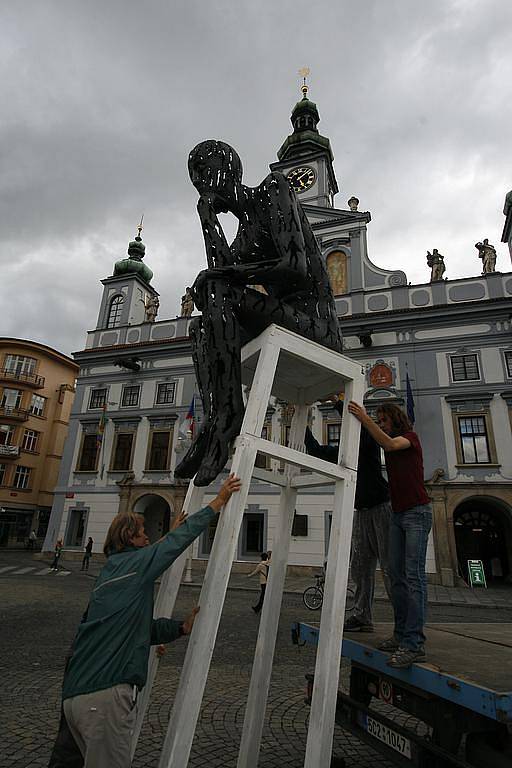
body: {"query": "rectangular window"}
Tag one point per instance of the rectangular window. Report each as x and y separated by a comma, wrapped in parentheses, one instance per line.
(465, 368)
(253, 529)
(29, 442)
(89, 454)
(37, 405)
(122, 455)
(98, 398)
(6, 434)
(21, 477)
(130, 396)
(158, 457)
(165, 393)
(208, 536)
(508, 363)
(20, 365)
(474, 440)
(11, 398)
(3, 470)
(262, 461)
(76, 528)
(300, 525)
(334, 433)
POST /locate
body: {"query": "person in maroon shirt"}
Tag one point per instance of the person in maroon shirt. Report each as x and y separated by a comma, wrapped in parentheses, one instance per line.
(411, 522)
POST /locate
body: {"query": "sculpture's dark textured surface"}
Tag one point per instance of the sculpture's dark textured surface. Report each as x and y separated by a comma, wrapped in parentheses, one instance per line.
(274, 248)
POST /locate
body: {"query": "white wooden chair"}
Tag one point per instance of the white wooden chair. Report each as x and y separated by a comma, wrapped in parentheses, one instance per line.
(292, 368)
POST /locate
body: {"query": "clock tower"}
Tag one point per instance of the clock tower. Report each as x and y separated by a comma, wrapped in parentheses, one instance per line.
(306, 157)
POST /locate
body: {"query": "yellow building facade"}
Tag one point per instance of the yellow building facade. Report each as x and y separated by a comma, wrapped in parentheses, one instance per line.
(37, 387)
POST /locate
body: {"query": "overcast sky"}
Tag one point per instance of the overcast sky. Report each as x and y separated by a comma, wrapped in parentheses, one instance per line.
(102, 102)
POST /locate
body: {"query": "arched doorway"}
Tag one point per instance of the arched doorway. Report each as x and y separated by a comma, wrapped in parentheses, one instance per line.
(483, 531)
(157, 515)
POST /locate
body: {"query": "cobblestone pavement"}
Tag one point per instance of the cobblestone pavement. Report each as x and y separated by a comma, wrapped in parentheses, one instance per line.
(39, 616)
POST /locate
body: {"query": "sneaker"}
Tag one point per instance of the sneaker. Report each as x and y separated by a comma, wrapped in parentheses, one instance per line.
(391, 645)
(405, 658)
(353, 624)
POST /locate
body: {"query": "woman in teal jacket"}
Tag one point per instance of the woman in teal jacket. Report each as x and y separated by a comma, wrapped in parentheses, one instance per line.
(111, 651)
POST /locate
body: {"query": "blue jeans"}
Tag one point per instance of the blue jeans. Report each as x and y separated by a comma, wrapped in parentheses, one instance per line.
(408, 537)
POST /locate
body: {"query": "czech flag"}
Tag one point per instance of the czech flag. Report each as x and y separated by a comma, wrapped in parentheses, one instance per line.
(101, 425)
(190, 418)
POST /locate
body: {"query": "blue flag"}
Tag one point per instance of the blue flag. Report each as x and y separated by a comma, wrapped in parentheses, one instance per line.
(409, 398)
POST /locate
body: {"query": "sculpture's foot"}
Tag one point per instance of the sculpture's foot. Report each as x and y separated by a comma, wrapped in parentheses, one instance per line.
(218, 452)
(193, 458)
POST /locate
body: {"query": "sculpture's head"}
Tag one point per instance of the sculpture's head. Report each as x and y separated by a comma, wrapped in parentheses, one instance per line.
(215, 167)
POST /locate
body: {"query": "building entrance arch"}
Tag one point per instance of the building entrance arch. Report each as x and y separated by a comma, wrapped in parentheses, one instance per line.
(483, 531)
(157, 515)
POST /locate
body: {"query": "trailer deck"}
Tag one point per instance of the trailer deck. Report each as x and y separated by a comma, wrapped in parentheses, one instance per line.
(463, 691)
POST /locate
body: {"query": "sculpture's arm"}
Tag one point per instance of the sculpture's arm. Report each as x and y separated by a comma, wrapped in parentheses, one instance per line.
(286, 228)
(282, 222)
(218, 253)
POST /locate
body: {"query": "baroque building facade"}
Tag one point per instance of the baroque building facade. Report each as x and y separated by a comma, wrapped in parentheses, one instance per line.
(449, 338)
(37, 385)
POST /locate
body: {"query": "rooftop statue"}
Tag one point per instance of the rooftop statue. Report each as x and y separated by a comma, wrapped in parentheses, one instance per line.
(274, 248)
(435, 261)
(187, 304)
(487, 253)
(151, 306)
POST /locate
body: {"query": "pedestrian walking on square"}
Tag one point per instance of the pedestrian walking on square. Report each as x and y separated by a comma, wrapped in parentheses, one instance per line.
(32, 538)
(56, 556)
(370, 529)
(87, 555)
(411, 522)
(262, 570)
(110, 657)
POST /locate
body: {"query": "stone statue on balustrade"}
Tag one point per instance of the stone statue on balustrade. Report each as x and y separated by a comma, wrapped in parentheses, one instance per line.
(151, 306)
(187, 304)
(274, 248)
(435, 261)
(487, 253)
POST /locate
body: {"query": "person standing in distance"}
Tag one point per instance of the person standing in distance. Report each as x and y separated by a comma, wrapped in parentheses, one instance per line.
(262, 570)
(87, 555)
(411, 522)
(110, 657)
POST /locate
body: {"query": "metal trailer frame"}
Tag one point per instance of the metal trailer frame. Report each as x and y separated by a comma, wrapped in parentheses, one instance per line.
(452, 706)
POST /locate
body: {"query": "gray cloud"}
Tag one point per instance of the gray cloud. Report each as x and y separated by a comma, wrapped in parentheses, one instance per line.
(103, 102)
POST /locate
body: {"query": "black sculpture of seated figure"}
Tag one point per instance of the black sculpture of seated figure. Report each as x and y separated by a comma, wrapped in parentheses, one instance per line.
(274, 248)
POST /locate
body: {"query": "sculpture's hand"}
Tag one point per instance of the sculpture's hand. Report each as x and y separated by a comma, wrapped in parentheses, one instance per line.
(217, 248)
(210, 205)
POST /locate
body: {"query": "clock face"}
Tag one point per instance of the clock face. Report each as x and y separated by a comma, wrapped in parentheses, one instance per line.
(302, 178)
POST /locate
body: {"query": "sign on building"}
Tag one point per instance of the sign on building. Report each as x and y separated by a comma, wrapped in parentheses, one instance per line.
(476, 573)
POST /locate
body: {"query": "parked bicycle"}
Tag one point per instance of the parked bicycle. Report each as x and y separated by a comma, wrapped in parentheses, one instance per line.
(313, 597)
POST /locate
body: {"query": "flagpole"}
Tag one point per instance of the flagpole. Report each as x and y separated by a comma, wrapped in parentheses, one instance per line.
(101, 431)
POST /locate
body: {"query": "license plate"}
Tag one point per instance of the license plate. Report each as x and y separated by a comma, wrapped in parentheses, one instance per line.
(389, 737)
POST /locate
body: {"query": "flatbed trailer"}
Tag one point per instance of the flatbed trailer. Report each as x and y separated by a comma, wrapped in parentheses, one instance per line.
(455, 709)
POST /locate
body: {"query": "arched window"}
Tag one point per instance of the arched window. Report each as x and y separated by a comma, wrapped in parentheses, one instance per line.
(115, 312)
(337, 270)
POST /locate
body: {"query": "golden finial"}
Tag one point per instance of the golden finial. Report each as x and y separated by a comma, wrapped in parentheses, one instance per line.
(140, 227)
(304, 72)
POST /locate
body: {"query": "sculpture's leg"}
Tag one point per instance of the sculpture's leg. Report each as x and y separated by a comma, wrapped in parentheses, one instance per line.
(221, 346)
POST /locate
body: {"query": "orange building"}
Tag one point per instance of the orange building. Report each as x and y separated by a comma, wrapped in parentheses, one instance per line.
(37, 387)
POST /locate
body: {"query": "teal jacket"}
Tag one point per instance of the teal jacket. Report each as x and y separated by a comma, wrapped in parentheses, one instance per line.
(112, 644)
